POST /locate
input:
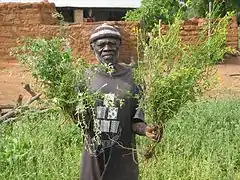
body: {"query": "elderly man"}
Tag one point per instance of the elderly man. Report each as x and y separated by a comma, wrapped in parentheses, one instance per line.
(114, 158)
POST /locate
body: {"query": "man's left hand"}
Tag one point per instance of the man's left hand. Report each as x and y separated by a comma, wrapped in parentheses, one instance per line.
(155, 133)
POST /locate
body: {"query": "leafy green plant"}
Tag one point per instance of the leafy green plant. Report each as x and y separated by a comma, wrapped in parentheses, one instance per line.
(63, 79)
(52, 65)
(152, 10)
(60, 76)
(171, 74)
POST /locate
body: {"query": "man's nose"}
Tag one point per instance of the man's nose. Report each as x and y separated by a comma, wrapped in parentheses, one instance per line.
(107, 47)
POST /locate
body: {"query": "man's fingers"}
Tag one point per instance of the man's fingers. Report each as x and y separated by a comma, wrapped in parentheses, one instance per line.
(156, 136)
(149, 129)
(153, 136)
(154, 132)
(155, 128)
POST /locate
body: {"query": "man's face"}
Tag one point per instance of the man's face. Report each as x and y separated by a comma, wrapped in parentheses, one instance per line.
(106, 50)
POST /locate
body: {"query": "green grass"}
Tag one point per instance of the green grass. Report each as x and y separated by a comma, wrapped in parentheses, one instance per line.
(40, 147)
(202, 142)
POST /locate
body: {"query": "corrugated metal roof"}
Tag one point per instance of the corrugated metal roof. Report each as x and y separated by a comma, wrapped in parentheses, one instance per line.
(89, 3)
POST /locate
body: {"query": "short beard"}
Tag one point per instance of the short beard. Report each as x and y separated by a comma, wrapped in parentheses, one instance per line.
(113, 62)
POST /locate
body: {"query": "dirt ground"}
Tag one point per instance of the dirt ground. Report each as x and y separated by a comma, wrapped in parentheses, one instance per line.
(13, 77)
(228, 75)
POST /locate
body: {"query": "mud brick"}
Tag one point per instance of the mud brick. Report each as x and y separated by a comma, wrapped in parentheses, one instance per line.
(232, 39)
(233, 33)
(190, 27)
(234, 25)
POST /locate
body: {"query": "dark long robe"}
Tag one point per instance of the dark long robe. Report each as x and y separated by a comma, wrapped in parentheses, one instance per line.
(114, 157)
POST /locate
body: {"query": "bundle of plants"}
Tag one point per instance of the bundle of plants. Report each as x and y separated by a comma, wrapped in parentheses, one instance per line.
(61, 77)
(172, 73)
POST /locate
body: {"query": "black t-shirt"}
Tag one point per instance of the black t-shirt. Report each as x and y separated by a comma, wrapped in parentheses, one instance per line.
(113, 156)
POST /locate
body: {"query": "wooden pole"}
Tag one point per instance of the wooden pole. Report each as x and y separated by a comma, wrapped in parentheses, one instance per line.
(209, 19)
(7, 106)
(29, 90)
(209, 22)
(160, 24)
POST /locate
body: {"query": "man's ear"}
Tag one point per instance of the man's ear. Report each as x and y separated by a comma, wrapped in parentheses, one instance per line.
(119, 42)
(92, 46)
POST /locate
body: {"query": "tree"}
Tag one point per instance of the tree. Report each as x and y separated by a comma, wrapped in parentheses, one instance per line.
(151, 11)
(200, 8)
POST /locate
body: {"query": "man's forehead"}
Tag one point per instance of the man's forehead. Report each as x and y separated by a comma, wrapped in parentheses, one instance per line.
(107, 40)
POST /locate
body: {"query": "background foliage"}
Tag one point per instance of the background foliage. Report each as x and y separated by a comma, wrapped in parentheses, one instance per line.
(151, 11)
(200, 8)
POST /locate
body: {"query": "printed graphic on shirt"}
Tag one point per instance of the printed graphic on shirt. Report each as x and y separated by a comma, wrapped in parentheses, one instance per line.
(108, 122)
(112, 113)
(104, 126)
(101, 112)
(109, 100)
(114, 126)
(107, 119)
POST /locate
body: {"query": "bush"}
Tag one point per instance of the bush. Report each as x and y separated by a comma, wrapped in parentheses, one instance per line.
(171, 74)
(53, 67)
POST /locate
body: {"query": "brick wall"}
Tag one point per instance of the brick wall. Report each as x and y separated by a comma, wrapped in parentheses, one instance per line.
(35, 20)
(79, 34)
(18, 20)
(190, 30)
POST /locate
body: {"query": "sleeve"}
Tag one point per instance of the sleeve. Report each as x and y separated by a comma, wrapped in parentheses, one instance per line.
(138, 113)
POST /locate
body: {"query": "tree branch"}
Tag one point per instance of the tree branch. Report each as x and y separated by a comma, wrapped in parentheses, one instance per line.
(19, 105)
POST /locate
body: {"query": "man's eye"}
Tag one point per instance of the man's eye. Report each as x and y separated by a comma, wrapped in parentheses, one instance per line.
(100, 45)
(104, 44)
